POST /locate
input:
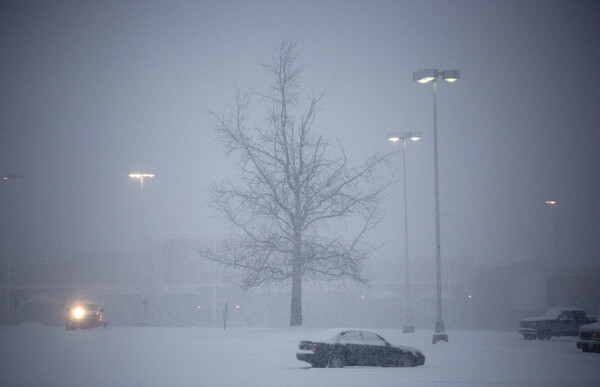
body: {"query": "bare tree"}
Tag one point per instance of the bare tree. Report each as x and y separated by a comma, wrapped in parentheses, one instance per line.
(297, 191)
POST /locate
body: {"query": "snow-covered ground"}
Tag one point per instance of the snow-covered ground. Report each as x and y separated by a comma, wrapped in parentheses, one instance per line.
(36, 355)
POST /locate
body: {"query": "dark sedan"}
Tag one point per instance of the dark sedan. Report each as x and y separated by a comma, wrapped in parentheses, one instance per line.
(336, 348)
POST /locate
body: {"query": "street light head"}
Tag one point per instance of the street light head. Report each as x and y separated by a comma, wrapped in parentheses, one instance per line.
(399, 136)
(551, 202)
(393, 137)
(451, 75)
(424, 76)
(416, 136)
(140, 175)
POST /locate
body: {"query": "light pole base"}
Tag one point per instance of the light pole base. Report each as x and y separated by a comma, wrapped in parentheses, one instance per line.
(408, 328)
(440, 332)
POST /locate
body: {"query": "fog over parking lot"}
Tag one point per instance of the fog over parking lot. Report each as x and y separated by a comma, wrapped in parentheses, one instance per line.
(96, 93)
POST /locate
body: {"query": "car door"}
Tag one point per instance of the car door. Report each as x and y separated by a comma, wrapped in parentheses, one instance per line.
(566, 324)
(350, 345)
(375, 350)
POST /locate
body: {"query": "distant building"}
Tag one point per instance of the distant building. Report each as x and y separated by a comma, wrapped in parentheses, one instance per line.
(170, 284)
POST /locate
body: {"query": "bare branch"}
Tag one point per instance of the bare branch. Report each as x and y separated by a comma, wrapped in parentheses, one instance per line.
(296, 188)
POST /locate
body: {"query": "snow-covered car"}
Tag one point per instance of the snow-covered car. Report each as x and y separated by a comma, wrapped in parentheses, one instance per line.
(84, 314)
(336, 348)
(555, 322)
(589, 338)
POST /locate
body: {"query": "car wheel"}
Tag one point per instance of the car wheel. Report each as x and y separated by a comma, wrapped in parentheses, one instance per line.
(336, 361)
(407, 361)
(529, 337)
(544, 334)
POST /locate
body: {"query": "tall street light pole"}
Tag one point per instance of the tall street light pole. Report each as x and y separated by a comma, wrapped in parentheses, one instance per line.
(408, 306)
(141, 177)
(426, 76)
(554, 205)
(8, 259)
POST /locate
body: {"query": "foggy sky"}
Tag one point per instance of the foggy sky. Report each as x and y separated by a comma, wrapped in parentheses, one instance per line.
(91, 91)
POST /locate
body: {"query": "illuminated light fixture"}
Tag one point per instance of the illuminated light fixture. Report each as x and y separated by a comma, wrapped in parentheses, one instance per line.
(9, 177)
(140, 175)
(451, 75)
(428, 75)
(403, 136)
(425, 76)
(551, 202)
(237, 306)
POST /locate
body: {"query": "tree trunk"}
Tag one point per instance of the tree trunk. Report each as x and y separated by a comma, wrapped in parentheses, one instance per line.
(296, 312)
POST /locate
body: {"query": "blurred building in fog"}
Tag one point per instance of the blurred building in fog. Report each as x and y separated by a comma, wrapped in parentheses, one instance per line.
(170, 284)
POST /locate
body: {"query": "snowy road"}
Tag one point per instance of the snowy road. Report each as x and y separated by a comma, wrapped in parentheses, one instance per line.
(35, 355)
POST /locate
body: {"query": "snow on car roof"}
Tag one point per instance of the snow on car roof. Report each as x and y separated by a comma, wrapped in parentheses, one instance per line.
(329, 335)
(553, 313)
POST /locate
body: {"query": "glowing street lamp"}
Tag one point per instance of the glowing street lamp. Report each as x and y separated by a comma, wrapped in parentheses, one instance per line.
(141, 177)
(426, 76)
(402, 137)
(8, 259)
(554, 205)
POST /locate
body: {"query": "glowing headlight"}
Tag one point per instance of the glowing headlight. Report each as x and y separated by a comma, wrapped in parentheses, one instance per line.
(78, 313)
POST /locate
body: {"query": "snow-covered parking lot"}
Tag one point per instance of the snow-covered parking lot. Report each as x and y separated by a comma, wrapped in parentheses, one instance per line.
(36, 355)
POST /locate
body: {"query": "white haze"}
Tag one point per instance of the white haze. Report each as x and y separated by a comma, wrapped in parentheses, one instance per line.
(95, 90)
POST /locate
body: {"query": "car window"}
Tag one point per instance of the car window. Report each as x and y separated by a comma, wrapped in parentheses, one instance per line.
(373, 339)
(566, 316)
(579, 315)
(351, 337)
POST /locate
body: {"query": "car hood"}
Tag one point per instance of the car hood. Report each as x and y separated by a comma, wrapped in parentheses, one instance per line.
(407, 349)
(594, 327)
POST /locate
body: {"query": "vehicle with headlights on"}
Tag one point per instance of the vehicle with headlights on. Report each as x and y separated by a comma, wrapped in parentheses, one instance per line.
(83, 315)
(336, 348)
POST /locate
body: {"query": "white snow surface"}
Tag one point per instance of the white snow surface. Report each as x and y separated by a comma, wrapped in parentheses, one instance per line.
(36, 355)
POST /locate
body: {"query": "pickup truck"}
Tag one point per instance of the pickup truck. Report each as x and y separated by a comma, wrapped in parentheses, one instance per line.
(554, 323)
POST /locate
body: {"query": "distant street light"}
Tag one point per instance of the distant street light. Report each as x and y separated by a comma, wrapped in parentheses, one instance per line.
(141, 177)
(8, 259)
(11, 177)
(554, 205)
(408, 315)
(425, 76)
